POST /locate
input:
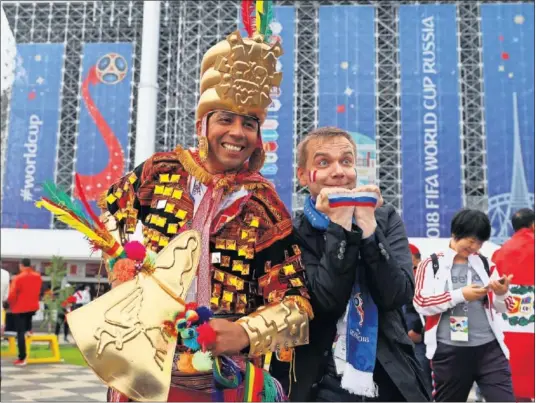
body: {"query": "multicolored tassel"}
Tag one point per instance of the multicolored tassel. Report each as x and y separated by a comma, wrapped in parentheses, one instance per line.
(259, 385)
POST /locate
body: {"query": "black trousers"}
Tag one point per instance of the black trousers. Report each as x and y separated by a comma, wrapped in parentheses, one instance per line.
(59, 322)
(455, 369)
(329, 389)
(23, 324)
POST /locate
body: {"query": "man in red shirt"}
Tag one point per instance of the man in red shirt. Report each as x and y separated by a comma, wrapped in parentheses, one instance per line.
(23, 300)
(516, 257)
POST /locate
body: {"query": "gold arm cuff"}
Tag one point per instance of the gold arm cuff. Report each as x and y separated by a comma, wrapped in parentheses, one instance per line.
(276, 326)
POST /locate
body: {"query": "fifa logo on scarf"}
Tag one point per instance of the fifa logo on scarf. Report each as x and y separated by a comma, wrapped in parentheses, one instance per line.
(358, 303)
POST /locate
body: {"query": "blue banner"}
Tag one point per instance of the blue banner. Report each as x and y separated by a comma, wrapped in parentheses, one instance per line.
(102, 147)
(33, 134)
(278, 128)
(347, 86)
(508, 59)
(432, 189)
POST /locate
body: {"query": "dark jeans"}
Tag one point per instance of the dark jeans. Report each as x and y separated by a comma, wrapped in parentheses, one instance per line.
(61, 321)
(329, 389)
(23, 324)
(457, 368)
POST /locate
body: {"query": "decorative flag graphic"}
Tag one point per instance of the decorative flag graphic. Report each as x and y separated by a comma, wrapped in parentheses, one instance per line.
(347, 89)
(102, 147)
(33, 134)
(508, 58)
(430, 119)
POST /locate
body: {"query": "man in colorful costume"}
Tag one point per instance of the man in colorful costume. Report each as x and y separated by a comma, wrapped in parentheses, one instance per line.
(249, 274)
(248, 255)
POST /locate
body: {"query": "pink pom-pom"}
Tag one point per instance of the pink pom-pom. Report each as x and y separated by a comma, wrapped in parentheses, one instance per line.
(124, 269)
(206, 335)
(135, 250)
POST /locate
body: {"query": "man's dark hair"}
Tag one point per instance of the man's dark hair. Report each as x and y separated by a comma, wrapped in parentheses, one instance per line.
(469, 223)
(523, 218)
(26, 262)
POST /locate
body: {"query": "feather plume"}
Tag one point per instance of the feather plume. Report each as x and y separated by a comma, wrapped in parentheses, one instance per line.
(259, 9)
(59, 197)
(267, 16)
(68, 217)
(98, 237)
(248, 14)
(83, 199)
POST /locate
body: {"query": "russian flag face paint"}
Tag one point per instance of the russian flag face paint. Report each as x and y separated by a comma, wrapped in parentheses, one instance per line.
(312, 176)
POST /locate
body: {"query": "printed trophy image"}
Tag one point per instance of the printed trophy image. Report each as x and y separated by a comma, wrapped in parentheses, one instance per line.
(121, 334)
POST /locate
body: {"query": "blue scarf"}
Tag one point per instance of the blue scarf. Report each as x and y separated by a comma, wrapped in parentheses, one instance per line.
(357, 331)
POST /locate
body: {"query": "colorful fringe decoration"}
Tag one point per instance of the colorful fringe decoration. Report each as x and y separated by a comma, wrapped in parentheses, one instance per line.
(359, 199)
(227, 374)
(259, 385)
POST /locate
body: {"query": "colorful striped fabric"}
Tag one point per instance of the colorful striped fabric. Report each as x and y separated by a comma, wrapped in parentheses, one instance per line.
(254, 383)
(361, 199)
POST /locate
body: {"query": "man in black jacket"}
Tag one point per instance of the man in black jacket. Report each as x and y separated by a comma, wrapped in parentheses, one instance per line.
(363, 245)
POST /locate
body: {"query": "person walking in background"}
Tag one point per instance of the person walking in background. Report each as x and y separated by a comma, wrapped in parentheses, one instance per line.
(462, 298)
(516, 257)
(4, 290)
(82, 295)
(23, 301)
(415, 324)
(86, 295)
(66, 307)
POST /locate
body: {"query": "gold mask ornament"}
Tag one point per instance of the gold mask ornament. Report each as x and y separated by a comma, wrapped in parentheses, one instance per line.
(121, 334)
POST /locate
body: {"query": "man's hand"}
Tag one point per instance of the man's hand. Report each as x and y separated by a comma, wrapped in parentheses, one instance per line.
(339, 215)
(501, 286)
(415, 337)
(231, 338)
(364, 216)
(474, 292)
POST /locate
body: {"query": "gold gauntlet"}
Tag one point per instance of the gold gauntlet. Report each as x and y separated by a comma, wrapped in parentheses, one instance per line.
(279, 325)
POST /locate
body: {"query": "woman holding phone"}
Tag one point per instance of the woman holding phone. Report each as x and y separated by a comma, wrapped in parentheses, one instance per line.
(463, 298)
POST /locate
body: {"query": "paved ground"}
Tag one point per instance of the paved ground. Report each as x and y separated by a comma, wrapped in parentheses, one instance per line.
(50, 382)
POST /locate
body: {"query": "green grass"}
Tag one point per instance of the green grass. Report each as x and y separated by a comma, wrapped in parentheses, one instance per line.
(69, 354)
